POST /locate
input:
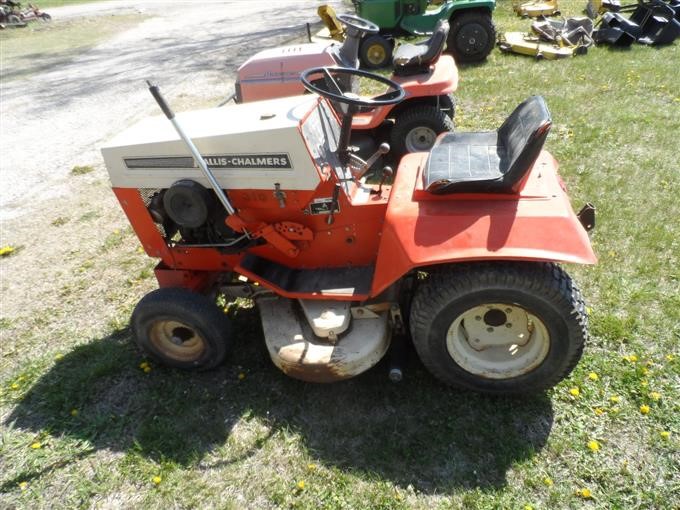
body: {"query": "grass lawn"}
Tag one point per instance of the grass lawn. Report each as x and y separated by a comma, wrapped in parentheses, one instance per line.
(84, 424)
(46, 4)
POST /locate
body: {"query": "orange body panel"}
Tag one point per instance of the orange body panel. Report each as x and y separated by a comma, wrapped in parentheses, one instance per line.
(422, 229)
(401, 229)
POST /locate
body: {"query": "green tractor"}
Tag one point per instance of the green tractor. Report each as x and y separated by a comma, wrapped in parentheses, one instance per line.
(471, 38)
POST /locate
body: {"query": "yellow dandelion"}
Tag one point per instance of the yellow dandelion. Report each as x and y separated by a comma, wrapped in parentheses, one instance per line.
(631, 358)
(645, 371)
(644, 409)
(670, 357)
(548, 481)
(23, 485)
(665, 434)
(311, 467)
(615, 410)
(241, 376)
(615, 399)
(301, 485)
(528, 507)
(59, 357)
(14, 386)
(584, 493)
(140, 250)
(589, 310)
(593, 445)
(655, 396)
(644, 383)
(74, 412)
(36, 445)
(144, 364)
(593, 376)
(156, 480)
(574, 392)
(147, 369)
(598, 411)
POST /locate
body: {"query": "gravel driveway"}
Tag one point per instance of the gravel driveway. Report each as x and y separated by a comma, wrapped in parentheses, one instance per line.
(59, 118)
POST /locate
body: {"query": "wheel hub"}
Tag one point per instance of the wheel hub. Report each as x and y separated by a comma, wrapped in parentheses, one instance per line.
(498, 340)
(420, 139)
(472, 38)
(177, 340)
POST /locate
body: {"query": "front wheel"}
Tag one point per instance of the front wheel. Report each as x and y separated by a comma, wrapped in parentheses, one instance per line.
(45, 17)
(416, 129)
(181, 329)
(472, 36)
(375, 52)
(499, 328)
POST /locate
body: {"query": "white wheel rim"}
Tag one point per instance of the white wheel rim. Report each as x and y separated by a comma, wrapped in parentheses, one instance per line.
(498, 341)
(420, 139)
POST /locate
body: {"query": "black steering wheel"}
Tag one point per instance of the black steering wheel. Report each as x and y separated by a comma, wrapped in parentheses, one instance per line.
(331, 76)
(362, 25)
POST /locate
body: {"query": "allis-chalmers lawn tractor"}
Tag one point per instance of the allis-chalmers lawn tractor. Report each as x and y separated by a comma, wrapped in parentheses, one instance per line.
(428, 77)
(471, 39)
(267, 201)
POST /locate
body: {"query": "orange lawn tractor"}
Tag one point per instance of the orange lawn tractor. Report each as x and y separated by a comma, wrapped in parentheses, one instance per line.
(268, 201)
(428, 77)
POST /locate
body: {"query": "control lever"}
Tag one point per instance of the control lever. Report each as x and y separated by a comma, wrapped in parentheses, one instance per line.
(387, 172)
(382, 150)
(334, 204)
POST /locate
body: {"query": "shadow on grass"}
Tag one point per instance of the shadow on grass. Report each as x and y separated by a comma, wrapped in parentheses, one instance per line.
(417, 432)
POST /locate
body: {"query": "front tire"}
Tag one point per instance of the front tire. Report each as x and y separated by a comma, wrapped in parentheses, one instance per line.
(472, 36)
(499, 328)
(181, 329)
(416, 129)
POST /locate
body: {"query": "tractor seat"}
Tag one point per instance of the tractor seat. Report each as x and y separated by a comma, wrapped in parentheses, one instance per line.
(412, 59)
(489, 162)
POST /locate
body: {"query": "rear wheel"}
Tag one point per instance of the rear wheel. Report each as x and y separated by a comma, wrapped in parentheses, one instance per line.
(501, 328)
(181, 329)
(375, 52)
(45, 17)
(472, 36)
(416, 129)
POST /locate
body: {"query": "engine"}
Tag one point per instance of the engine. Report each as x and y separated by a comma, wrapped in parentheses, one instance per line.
(193, 211)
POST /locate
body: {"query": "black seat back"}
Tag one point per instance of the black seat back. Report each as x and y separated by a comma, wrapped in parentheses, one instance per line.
(522, 135)
(417, 58)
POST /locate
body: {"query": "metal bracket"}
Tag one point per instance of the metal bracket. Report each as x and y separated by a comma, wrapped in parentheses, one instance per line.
(587, 216)
(280, 195)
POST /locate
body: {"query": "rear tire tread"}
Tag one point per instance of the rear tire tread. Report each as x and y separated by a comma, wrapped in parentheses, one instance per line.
(546, 279)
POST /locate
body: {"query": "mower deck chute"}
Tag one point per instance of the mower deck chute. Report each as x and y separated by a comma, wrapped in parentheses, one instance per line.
(299, 353)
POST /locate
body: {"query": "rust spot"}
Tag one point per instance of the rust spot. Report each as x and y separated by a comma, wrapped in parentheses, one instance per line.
(326, 373)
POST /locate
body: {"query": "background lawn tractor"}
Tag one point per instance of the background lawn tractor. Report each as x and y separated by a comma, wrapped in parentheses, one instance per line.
(428, 77)
(471, 39)
(266, 201)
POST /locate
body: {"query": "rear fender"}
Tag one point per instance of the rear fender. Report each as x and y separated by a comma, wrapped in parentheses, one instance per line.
(460, 6)
(422, 230)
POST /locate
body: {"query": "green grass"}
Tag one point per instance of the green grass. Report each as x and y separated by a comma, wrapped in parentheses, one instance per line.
(45, 4)
(266, 441)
